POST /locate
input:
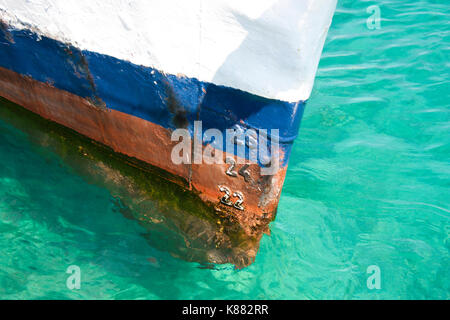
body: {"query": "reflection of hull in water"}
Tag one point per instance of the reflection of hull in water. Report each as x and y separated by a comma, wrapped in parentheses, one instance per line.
(178, 221)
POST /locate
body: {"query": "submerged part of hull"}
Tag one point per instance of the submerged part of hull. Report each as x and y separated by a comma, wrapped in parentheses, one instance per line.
(149, 143)
(177, 220)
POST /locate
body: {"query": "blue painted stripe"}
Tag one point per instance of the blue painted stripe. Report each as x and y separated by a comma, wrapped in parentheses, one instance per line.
(144, 92)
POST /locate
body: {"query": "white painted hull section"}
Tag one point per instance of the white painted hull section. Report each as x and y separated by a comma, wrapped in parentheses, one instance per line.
(269, 48)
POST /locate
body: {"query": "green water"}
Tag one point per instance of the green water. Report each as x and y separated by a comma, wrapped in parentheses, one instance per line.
(368, 184)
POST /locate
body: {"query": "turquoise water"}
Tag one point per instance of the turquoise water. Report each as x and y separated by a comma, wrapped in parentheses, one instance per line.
(368, 184)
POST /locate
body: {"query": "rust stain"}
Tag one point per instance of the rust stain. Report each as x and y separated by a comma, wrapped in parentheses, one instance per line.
(179, 112)
(81, 70)
(4, 29)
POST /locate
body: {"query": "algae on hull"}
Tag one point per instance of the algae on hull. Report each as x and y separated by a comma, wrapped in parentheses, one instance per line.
(159, 201)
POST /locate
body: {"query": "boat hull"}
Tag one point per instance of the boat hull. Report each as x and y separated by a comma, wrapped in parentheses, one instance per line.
(256, 80)
(71, 97)
(173, 220)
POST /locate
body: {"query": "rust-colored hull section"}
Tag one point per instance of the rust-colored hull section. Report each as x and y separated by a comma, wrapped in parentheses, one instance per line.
(124, 133)
(149, 143)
